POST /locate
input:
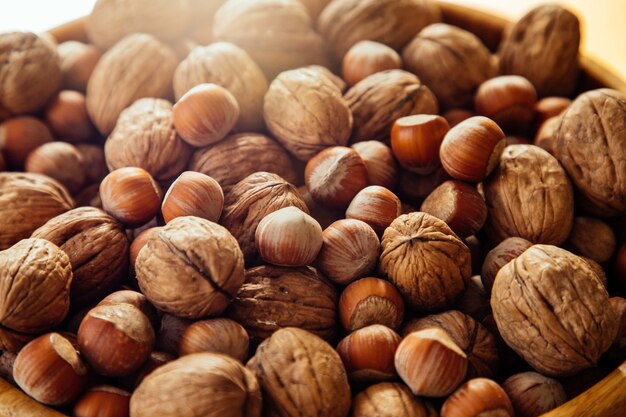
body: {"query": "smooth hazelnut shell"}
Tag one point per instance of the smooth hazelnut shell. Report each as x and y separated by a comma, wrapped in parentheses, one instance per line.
(139, 242)
(60, 161)
(507, 250)
(77, 63)
(382, 168)
(415, 141)
(533, 394)
(21, 135)
(414, 188)
(193, 194)
(456, 116)
(376, 206)
(218, 336)
(369, 301)
(479, 396)
(67, 117)
(103, 401)
(545, 137)
(365, 58)
(549, 107)
(136, 299)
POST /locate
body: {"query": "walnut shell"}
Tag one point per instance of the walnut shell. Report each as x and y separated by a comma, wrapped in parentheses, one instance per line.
(36, 277)
(31, 73)
(231, 67)
(200, 384)
(191, 268)
(543, 47)
(275, 297)
(551, 308)
(27, 201)
(378, 100)
(426, 261)
(317, 381)
(591, 146)
(451, 61)
(389, 399)
(529, 195)
(97, 246)
(306, 112)
(144, 137)
(137, 66)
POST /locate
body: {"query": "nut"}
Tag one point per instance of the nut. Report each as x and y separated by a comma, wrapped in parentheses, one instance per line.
(591, 238)
(94, 163)
(478, 397)
(533, 394)
(139, 242)
(597, 268)
(366, 58)
(77, 63)
(416, 140)
(67, 116)
(60, 161)
(136, 299)
(315, 7)
(7, 360)
(390, 400)
(193, 194)
(619, 266)
(617, 348)
(546, 134)
(376, 206)
(103, 401)
(217, 336)
(549, 107)
(370, 301)
(456, 116)
(415, 188)
(325, 216)
(382, 168)
(21, 135)
(170, 333)
(475, 299)
(326, 72)
(156, 360)
(507, 250)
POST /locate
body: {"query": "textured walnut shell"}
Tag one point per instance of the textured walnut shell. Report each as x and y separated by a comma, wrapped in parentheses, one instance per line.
(306, 112)
(389, 399)
(378, 100)
(345, 22)
(31, 73)
(529, 196)
(97, 247)
(426, 261)
(250, 200)
(543, 47)
(205, 384)
(275, 297)
(137, 66)
(144, 137)
(591, 146)
(191, 268)
(234, 158)
(317, 381)
(551, 308)
(36, 276)
(451, 61)
(27, 201)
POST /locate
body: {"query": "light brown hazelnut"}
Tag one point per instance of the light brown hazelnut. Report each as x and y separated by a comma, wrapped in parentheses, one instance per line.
(60, 161)
(67, 117)
(77, 63)
(370, 301)
(217, 335)
(103, 401)
(533, 394)
(382, 168)
(366, 58)
(549, 107)
(546, 134)
(136, 299)
(507, 250)
(94, 163)
(19, 136)
(193, 194)
(478, 397)
(416, 140)
(591, 238)
(390, 400)
(457, 115)
(139, 242)
(376, 206)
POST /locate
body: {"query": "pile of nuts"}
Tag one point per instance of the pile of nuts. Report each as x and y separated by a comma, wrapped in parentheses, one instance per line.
(306, 208)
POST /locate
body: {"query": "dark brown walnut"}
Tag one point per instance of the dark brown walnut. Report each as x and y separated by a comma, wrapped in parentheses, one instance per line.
(543, 47)
(451, 61)
(97, 246)
(591, 146)
(201, 384)
(389, 399)
(234, 158)
(591, 238)
(472, 337)
(306, 112)
(144, 137)
(250, 200)
(191, 268)
(345, 22)
(426, 261)
(137, 66)
(275, 297)
(30, 69)
(301, 376)
(551, 308)
(378, 100)
(27, 201)
(507, 250)
(529, 195)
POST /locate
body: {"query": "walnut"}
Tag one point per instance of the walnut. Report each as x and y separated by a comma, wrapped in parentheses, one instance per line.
(591, 238)
(451, 61)
(529, 196)
(478, 344)
(191, 268)
(144, 137)
(27, 201)
(591, 146)
(31, 73)
(425, 260)
(378, 100)
(137, 66)
(306, 112)
(275, 297)
(206, 384)
(317, 384)
(346, 22)
(234, 158)
(543, 47)
(390, 399)
(315, 7)
(231, 67)
(324, 71)
(551, 308)
(250, 200)
(97, 247)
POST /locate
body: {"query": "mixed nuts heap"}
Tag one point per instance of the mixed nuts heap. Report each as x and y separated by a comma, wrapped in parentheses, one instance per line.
(306, 208)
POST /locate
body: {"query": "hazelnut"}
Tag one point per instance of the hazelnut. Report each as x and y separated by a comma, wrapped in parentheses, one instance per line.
(549, 107)
(217, 336)
(335, 176)
(545, 137)
(131, 196)
(376, 206)
(94, 163)
(366, 58)
(533, 394)
(7, 360)
(67, 116)
(136, 299)
(458, 204)
(50, 370)
(478, 252)
(205, 114)
(349, 251)
(370, 301)
(103, 401)
(457, 115)
(470, 151)
(475, 299)
(430, 363)
(416, 140)
(591, 238)
(507, 250)
(20, 136)
(77, 63)
(390, 400)
(170, 333)
(288, 237)
(478, 397)
(415, 188)
(193, 194)
(115, 339)
(60, 161)
(382, 168)
(139, 242)
(325, 216)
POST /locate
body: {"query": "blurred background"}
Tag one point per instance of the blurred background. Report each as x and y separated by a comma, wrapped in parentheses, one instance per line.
(604, 21)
